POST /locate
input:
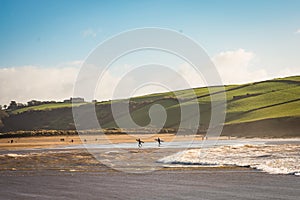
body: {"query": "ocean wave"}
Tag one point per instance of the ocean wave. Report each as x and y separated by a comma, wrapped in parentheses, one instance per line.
(273, 159)
(15, 155)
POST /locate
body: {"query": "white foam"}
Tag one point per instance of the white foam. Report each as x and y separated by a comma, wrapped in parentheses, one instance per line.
(274, 159)
(14, 155)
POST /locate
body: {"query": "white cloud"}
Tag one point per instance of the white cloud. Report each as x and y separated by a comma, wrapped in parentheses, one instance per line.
(298, 31)
(134, 81)
(56, 83)
(89, 33)
(75, 63)
(30, 82)
(106, 86)
(241, 66)
(288, 71)
(193, 77)
(237, 67)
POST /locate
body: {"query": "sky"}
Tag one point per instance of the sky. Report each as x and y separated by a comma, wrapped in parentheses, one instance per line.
(43, 43)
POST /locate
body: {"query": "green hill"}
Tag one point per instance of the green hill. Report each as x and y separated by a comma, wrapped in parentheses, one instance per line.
(263, 108)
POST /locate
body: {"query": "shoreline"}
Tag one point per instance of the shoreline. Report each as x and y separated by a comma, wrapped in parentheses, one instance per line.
(19, 143)
(44, 142)
(49, 153)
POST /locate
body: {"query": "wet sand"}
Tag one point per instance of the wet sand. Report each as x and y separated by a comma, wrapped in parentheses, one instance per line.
(55, 141)
(179, 184)
(76, 174)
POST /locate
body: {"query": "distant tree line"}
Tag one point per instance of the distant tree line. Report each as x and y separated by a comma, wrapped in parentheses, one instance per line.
(15, 105)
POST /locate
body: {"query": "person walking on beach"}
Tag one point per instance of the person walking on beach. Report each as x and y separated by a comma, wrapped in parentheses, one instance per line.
(139, 142)
(159, 141)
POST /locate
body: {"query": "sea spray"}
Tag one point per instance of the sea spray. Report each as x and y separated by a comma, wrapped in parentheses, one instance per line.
(273, 159)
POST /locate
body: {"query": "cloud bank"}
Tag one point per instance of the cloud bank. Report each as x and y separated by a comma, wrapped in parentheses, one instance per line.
(241, 66)
(56, 83)
(235, 67)
(30, 82)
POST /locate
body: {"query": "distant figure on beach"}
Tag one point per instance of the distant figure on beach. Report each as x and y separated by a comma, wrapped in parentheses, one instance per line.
(62, 139)
(72, 140)
(139, 142)
(159, 141)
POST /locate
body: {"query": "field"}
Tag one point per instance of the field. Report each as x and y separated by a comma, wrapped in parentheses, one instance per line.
(252, 102)
(49, 106)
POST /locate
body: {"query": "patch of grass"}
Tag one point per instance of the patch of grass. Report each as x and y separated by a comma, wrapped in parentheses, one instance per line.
(290, 78)
(269, 104)
(285, 110)
(49, 106)
(141, 115)
(262, 87)
(265, 99)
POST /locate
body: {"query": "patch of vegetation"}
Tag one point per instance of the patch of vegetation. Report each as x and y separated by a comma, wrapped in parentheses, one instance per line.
(46, 107)
(251, 102)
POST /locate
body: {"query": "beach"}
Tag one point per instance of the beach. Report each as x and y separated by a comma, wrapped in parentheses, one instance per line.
(19, 143)
(47, 168)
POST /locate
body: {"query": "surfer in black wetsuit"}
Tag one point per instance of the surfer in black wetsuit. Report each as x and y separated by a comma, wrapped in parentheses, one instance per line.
(139, 142)
(159, 141)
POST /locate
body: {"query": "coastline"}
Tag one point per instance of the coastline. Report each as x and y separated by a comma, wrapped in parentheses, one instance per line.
(50, 171)
(121, 152)
(32, 142)
(20, 143)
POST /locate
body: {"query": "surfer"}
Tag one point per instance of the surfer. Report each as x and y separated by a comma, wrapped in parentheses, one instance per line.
(159, 141)
(139, 142)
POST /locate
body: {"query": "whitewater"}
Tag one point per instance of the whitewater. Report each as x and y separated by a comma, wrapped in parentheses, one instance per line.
(271, 158)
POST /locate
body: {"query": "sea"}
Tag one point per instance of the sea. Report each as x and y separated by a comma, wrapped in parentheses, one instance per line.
(273, 156)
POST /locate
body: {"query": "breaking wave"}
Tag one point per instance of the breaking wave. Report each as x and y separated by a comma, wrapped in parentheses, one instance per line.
(273, 159)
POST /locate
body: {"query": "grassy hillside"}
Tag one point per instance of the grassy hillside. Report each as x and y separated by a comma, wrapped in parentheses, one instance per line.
(49, 106)
(247, 104)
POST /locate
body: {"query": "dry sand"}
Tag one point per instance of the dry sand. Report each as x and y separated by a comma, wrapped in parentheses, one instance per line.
(54, 141)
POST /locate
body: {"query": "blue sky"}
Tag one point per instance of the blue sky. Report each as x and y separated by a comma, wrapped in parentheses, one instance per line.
(45, 32)
(50, 33)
